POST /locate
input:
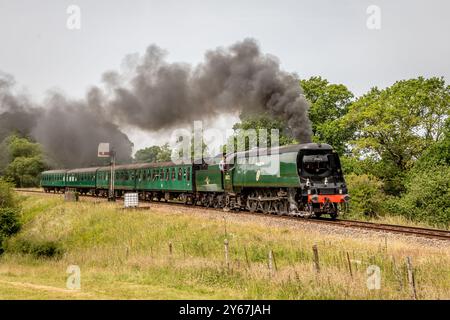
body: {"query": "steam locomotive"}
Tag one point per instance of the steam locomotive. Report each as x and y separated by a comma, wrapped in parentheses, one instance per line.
(302, 180)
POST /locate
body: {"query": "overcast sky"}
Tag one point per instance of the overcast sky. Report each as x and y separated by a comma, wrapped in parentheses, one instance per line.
(323, 37)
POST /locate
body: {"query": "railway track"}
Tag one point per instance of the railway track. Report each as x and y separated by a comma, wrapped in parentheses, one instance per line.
(372, 226)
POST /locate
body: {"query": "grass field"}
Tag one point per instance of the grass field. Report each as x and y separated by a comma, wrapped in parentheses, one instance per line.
(172, 253)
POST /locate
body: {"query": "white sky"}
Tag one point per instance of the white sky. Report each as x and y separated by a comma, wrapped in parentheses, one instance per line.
(323, 37)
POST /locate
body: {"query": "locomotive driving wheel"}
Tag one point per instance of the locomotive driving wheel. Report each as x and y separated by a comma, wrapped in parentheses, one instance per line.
(266, 206)
(280, 207)
(252, 204)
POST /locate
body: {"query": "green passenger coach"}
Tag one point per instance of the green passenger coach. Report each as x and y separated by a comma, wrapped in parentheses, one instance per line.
(53, 180)
(82, 180)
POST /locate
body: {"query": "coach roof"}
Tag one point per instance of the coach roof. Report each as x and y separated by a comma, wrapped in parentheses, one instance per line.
(54, 171)
(83, 170)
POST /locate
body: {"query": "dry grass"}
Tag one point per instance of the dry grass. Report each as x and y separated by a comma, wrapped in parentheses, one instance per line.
(125, 255)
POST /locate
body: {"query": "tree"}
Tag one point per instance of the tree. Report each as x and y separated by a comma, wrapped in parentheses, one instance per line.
(149, 154)
(437, 154)
(26, 161)
(165, 154)
(329, 103)
(153, 154)
(264, 122)
(395, 125)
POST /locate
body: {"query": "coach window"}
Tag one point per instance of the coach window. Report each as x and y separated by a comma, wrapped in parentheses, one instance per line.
(188, 174)
(173, 174)
(180, 174)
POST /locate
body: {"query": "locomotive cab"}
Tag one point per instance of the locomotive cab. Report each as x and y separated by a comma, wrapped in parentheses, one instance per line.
(322, 185)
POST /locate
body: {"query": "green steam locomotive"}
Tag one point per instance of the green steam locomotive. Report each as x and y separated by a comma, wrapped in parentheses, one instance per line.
(302, 180)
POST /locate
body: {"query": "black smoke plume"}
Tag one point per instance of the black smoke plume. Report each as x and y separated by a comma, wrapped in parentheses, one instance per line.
(153, 94)
(240, 78)
(69, 131)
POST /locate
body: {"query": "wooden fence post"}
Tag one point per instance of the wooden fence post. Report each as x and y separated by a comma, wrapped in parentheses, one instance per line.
(170, 248)
(349, 265)
(225, 225)
(246, 257)
(316, 258)
(412, 284)
(225, 242)
(270, 262)
(274, 261)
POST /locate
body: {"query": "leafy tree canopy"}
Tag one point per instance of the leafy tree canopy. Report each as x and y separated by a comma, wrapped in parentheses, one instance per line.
(398, 123)
(264, 122)
(25, 161)
(329, 103)
(153, 154)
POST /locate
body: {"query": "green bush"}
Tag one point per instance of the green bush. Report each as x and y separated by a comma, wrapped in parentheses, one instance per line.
(9, 224)
(9, 213)
(7, 198)
(35, 247)
(366, 193)
(427, 196)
